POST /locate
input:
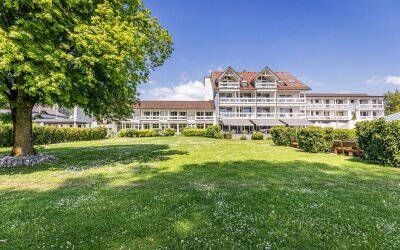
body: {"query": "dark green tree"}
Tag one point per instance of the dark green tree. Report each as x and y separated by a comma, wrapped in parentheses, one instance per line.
(91, 54)
(392, 102)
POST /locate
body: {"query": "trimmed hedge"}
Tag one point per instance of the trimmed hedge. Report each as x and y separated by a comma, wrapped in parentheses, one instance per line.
(380, 141)
(48, 135)
(169, 132)
(212, 131)
(257, 136)
(139, 133)
(282, 136)
(193, 132)
(344, 134)
(315, 139)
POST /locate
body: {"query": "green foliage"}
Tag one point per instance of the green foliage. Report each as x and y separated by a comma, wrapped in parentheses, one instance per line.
(139, 133)
(257, 136)
(380, 141)
(86, 53)
(169, 132)
(243, 137)
(194, 132)
(212, 130)
(227, 135)
(282, 136)
(129, 132)
(392, 100)
(219, 135)
(344, 134)
(48, 135)
(315, 139)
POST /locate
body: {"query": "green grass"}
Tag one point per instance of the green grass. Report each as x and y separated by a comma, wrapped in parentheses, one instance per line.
(186, 193)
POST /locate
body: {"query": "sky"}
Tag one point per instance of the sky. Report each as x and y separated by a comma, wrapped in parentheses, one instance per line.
(333, 46)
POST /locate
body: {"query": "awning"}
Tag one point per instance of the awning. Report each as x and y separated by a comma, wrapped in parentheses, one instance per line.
(297, 122)
(267, 122)
(236, 122)
(393, 117)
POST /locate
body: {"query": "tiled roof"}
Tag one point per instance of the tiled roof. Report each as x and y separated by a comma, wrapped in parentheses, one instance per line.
(249, 76)
(197, 105)
(338, 95)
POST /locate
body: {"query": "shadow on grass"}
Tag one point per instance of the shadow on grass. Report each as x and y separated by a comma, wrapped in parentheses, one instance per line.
(81, 158)
(234, 204)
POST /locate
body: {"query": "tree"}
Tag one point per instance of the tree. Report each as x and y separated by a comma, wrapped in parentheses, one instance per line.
(392, 101)
(83, 53)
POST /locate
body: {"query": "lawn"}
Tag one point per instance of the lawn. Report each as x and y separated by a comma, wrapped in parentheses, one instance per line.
(190, 193)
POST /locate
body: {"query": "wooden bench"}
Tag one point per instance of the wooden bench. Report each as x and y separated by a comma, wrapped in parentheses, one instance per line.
(337, 147)
(351, 147)
(294, 143)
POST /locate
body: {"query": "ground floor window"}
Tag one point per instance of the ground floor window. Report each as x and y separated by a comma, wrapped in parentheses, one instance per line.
(156, 125)
(128, 125)
(174, 126)
(119, 127)
(146, 126)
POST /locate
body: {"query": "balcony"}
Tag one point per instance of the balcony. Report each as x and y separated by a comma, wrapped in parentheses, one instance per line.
(328, 106)
(236, 115)
(265, 85)
(291, 100)
(240, 100)
(370, 117)
(265, 100)
(204, 118)
(265, 115)
(371, 106)
(292, 115)
(163, 118)
(329, 118)
(229, 85)
(177, 117)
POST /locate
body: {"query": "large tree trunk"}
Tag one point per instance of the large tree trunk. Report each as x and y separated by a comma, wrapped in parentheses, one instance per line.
(22, 124)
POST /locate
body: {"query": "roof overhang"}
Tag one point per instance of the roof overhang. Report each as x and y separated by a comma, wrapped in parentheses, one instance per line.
(267, 122)
(237, 122)
(297, 122)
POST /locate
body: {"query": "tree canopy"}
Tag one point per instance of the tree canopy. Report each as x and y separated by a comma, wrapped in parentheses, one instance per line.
(392, 101)
(89, 53)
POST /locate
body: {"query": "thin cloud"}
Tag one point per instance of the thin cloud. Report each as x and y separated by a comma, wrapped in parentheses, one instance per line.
(190, 91)
(394, 80)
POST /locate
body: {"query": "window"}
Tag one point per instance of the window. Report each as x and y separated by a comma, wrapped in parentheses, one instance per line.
(285, 110)
(174, 126)
(351, 101)
(246, 109)
(263, 110)
(364, 113)
(374, 114)
(156, 114)
(317, 101)
(147, 113)
(263, 95)
(225, 95)
(209, 113)
(128, 125)
(245, 95)
(199, 113)
(339, 102)
(285, 96)
(146, 126)
(182, 113)
(316, 112)
(173, 113)
(291, 80)
(137, 126)
(156, 125)
(226, 109)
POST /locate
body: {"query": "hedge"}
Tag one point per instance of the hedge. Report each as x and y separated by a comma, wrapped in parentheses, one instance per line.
(344, 134)
(282, 136)
(139, 133)
(169, 132)
(48, 135)
(212, 131)
(315, 139)
(193, 132)
(380, 141)
(257, 136)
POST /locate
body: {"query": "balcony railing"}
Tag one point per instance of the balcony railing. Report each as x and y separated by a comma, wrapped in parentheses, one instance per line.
(265, 85)
(371, 106)
(237, 100)
(266, 115)
(229, 85)
(291, 100)
(332, 118)
(204, 118)
(156, 118)
(292, 115)
(236, 115)
(328, 106)
(265, 100)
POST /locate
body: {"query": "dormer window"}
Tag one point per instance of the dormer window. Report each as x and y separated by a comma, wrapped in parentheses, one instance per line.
(291, 80)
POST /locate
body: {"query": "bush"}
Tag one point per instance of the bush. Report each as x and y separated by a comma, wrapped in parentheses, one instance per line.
(257, 136)
(227, 135)
(219, 135)
(48, 135)
(344, 134)
(129, 132)
(169, 132)
(282, 136)
(148, 133)
(314, 139)
(243, 137)
(194, 132)
(380, 141)
(212, 130)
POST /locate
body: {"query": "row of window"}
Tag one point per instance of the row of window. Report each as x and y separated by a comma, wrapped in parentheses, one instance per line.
(259, 110)
(316, 101)
(177, 113)
(159, 126)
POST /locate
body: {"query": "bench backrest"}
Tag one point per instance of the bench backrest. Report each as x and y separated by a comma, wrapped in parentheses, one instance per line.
(337, 144)
(350, 144)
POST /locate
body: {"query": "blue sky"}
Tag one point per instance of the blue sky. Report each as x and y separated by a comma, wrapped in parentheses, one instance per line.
(333, 46)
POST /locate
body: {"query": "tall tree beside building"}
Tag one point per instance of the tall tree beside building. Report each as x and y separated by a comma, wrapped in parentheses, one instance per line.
(86, 53)
(392, 101)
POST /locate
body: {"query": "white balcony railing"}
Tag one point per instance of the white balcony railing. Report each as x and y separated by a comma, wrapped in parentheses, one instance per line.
(291, 100)
(229, 85)
(331, 118)
(177, 117)
(266, 115)
(370, 117)
(371, 106)
(204, 118)
(265, 100)
(237, 100)
(328, 106)
(292, 115)
(236, 115)
(156, 118)
(265, 85)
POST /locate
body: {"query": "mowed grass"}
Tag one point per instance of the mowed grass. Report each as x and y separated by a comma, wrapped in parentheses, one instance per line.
(189, 193)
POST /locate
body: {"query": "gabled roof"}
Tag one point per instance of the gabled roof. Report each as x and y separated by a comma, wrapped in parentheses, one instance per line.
(194, 105)
(262, 71)
(286, 81)
(226, 71)
(47, 110)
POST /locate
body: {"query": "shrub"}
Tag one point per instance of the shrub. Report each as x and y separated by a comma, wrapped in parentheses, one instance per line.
(314, 139)
(243, 137)
(282, 136)
(194, 132)
(147, 133)
(380, 141)
(47, 135)
(344, 134)
(212, 130)
(169, 132)
(129, 132)
(227, 135)
(219, 135)
(257, 136)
